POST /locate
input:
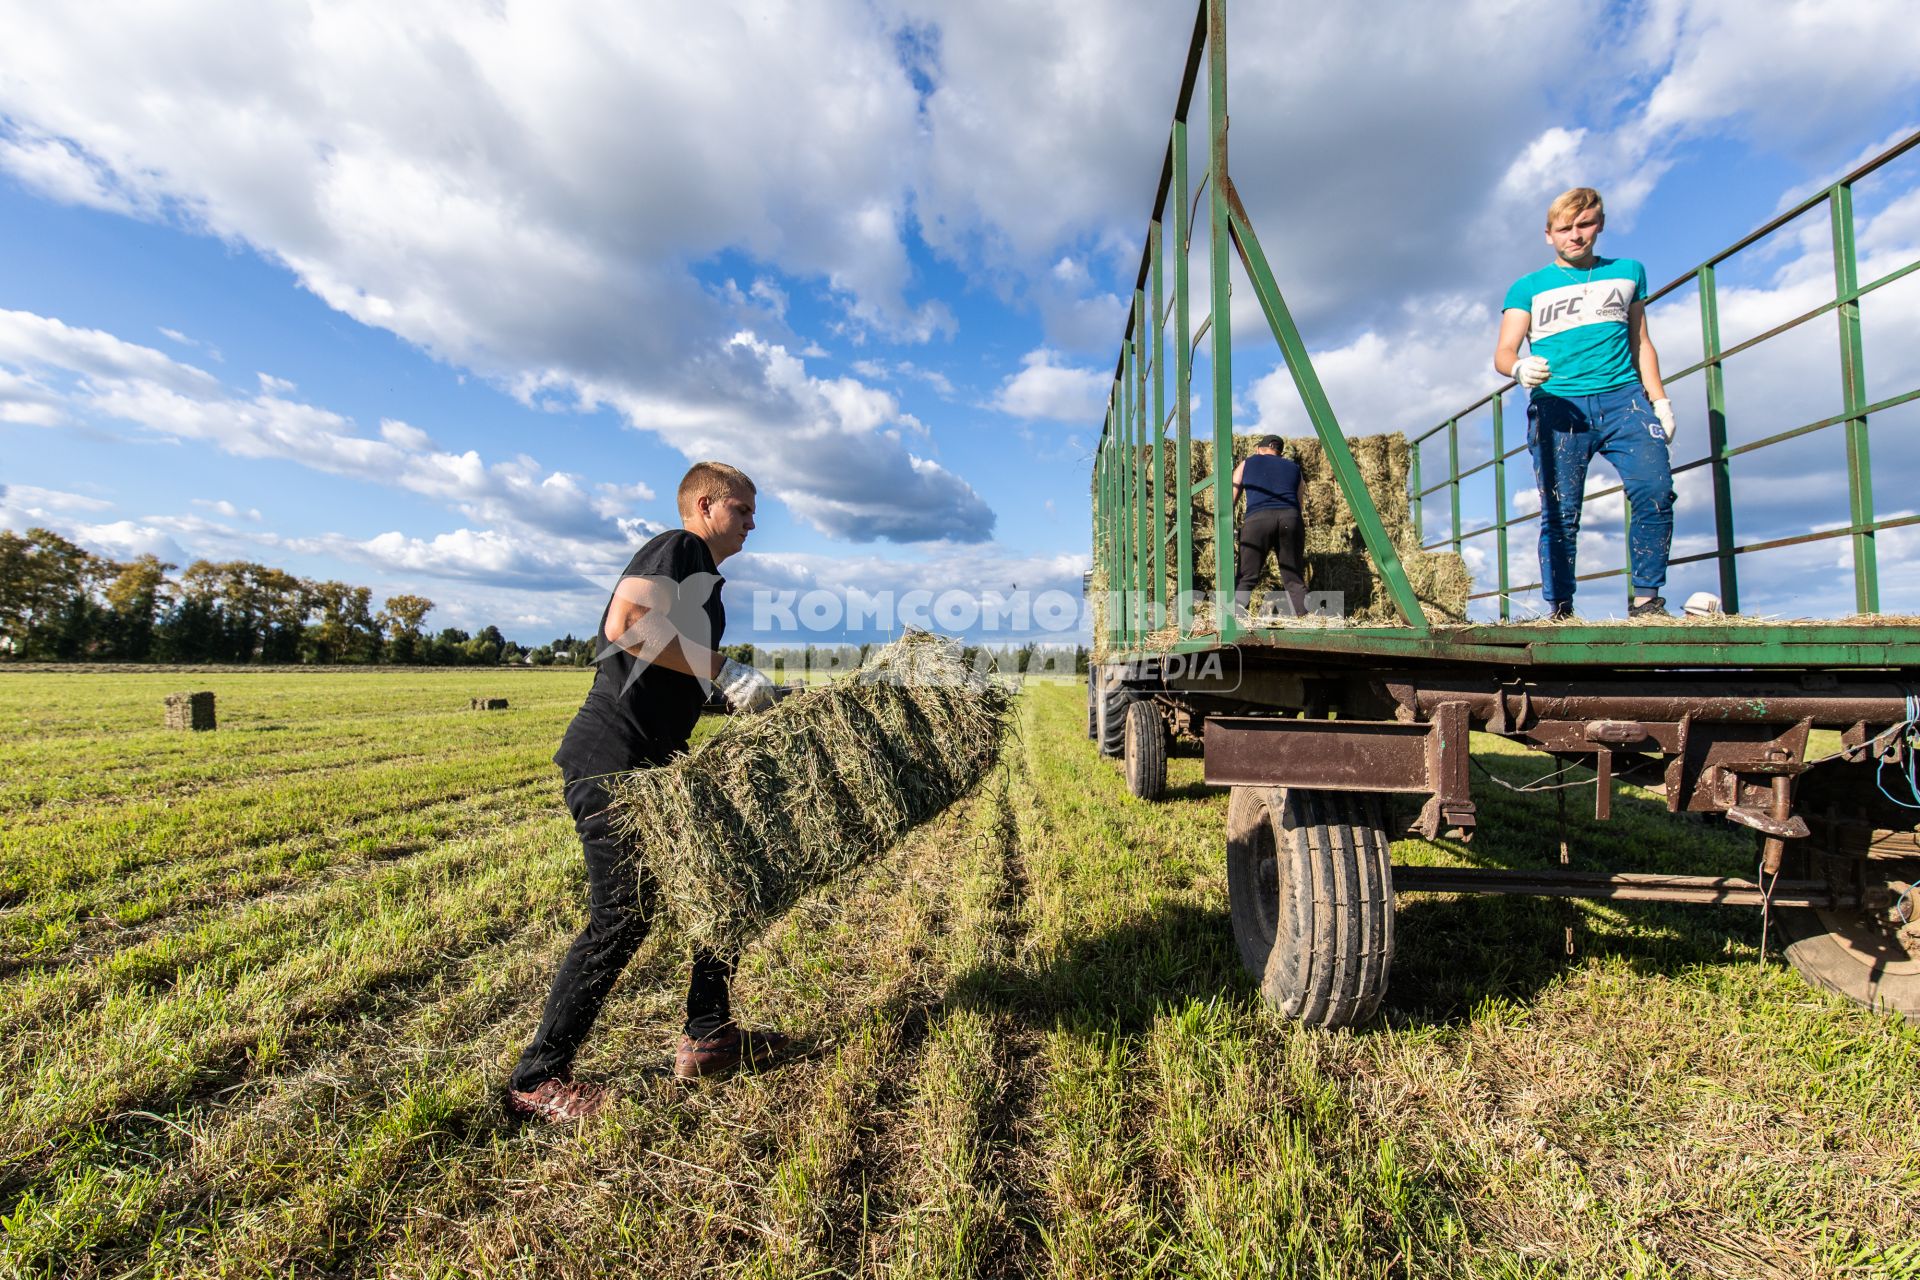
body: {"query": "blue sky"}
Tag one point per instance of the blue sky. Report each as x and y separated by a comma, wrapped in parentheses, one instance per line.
(443, 300)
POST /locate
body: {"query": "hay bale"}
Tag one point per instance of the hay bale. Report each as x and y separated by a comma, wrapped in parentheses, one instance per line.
(1336, 558)
(487, 704)
(190, 711)
(779, 804)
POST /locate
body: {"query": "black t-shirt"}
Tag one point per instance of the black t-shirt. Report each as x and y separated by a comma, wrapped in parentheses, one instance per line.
(640, 712)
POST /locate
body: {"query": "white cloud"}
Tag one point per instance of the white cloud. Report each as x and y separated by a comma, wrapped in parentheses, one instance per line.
(63, 173)
(39, 502)
(1047, 389)
(220, 506)
(487, 183)
(28, 402)
(119, 380)
(275, 386)
(403, 436)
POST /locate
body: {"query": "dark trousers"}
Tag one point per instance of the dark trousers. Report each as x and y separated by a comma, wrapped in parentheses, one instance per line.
(620, 907)
(1277, 530)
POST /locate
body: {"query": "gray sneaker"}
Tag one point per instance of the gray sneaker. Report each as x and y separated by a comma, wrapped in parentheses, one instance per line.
(1654, 608)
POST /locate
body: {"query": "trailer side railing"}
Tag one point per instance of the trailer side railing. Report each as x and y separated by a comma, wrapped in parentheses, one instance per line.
(1861, 526)
(1131, 506)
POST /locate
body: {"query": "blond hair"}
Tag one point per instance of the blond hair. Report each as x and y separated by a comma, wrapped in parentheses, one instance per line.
(710, 480)
(1574, 202)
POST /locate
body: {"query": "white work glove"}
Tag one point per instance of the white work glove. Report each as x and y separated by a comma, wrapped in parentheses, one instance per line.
(1531, 371)
(1663, 410)
(744, 688)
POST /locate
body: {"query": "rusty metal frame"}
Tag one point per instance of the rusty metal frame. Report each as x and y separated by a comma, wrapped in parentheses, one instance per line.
(1381, 756)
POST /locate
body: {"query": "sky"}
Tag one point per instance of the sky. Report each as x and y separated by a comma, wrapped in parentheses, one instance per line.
(443, 298)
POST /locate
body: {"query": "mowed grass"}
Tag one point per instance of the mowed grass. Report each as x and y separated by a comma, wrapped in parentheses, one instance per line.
(260, 989)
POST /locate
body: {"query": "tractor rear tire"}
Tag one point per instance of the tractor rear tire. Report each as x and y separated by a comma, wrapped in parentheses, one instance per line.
(1310, 886)
(1146, 750)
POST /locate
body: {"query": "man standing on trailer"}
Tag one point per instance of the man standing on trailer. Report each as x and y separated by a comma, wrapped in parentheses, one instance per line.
(1596, 387)
(657, 653)
(1271, 483)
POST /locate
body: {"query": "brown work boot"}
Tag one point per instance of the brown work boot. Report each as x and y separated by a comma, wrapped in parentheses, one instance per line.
(556, 1101)
(725, 1050)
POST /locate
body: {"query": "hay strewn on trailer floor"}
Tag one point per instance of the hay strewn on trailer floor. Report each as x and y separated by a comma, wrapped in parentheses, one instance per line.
(778, 804)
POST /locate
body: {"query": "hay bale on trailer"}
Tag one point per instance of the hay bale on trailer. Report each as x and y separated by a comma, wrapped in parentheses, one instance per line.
(190, 711)
(1336, 558)
(775, 805)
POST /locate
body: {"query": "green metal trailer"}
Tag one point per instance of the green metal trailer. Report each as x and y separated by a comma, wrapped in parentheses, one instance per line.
(1806, 733)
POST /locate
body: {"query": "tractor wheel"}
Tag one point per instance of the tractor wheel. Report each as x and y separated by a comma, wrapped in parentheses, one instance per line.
(1111, 720)
(1146, 750)
(1311, 892)
(1093, 707)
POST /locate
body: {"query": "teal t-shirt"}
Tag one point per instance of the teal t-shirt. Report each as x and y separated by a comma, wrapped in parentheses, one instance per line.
(1578, 321)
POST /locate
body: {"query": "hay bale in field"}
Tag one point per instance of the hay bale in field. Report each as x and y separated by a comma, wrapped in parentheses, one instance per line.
(775, 805)
(192, 711)
(487, 704)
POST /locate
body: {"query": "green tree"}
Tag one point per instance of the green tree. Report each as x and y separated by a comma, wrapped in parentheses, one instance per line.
(136, 595)
(400, 622)
(343, 629)
(48, 596)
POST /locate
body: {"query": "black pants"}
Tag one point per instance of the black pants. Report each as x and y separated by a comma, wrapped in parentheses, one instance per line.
(1275, 529)
(620, 907)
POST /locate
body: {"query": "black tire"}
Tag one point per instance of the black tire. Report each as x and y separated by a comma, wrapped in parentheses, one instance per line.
(1310, 885)
(1836, 951)
(1146, 750)
(1093, 709)
(1111, 720)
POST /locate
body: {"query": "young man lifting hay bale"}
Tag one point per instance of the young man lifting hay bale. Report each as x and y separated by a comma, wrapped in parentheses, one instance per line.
(658, 652)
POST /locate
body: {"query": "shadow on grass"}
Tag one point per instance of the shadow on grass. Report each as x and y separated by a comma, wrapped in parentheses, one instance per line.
(1451, 954)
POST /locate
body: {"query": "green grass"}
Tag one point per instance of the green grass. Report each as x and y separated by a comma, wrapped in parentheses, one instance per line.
(260, 987)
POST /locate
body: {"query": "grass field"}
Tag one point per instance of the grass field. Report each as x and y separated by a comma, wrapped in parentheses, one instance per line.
(260, 987)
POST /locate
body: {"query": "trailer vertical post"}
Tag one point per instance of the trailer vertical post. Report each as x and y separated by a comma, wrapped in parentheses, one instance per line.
(1131, 499)
(1417, 486)
(1182, 385)
(1853, 384)
(1156, 247)
(1453, 477)
(1717, 462)
(1222, 303)
(1149, 524)
(1500, 501)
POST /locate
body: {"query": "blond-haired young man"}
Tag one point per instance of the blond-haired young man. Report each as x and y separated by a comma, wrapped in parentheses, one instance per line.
(658, 653)
(1596, 389)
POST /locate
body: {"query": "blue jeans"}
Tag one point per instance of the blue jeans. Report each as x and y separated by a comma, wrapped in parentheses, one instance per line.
(1564, 433)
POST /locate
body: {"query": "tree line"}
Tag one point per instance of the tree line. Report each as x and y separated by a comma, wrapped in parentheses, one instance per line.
(60, 602)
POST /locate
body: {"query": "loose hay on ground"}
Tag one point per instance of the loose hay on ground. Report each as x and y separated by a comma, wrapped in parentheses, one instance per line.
(779, 804)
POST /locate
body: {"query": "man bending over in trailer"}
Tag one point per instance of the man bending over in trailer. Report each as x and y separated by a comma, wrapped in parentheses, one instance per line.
(1271, 484)
(1596, 387)
(658, 638)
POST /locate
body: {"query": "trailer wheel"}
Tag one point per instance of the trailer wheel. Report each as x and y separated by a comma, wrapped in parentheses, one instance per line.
(1311, 892)
(1146, 750)
(1111, 720)
(1841, 952)
(1093, 708)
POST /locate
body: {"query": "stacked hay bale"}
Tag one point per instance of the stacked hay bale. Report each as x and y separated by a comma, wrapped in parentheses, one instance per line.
(778, 804)
(1336, 555)
(191, 711)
